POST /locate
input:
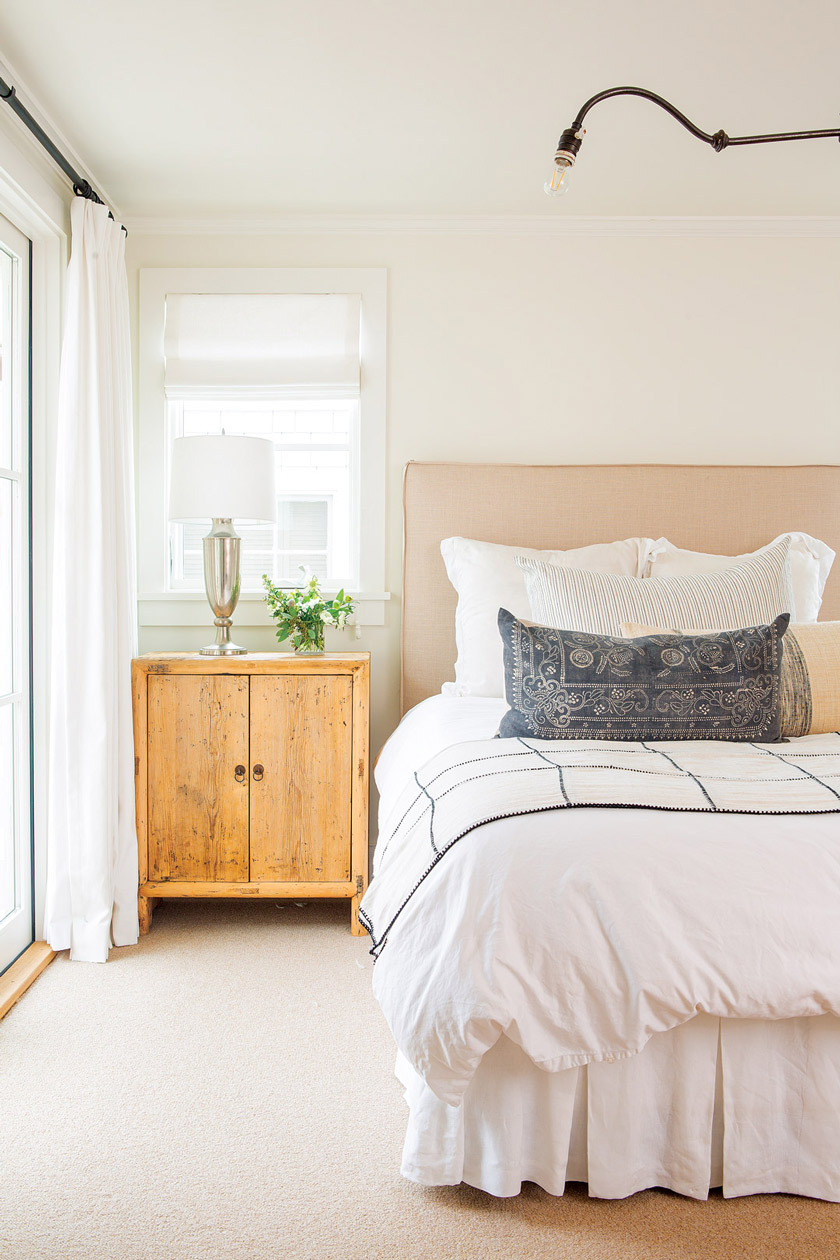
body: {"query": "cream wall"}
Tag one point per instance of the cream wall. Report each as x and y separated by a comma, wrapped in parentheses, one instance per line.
(574, 348)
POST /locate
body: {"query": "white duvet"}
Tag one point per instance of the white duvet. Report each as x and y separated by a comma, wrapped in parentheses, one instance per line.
(579, 933)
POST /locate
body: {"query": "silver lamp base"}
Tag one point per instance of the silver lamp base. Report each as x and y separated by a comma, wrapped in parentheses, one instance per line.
(224, 645)
(221, 582)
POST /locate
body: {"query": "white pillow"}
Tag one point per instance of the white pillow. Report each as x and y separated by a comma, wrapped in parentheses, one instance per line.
(487, 579)
(753, 593)
(810, 564)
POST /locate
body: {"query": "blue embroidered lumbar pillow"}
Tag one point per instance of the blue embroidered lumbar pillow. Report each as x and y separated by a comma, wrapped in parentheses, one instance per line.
(569, 684)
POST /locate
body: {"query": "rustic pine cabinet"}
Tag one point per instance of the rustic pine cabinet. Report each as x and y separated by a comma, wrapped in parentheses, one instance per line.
(251, 776)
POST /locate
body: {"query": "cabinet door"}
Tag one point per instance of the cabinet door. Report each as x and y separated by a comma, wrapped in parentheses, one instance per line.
(301, 735)
(198, 808)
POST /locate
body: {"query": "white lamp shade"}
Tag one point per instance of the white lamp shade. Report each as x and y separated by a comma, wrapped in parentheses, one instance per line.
(222, 476)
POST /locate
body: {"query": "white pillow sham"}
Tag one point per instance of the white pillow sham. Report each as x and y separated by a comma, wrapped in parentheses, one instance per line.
(486, 578)
(810, 565)
(752, 593)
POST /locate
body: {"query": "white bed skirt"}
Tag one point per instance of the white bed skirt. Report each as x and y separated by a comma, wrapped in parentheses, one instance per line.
(752, 1106)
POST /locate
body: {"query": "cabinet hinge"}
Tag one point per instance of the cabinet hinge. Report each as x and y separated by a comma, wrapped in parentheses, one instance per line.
(359, 883)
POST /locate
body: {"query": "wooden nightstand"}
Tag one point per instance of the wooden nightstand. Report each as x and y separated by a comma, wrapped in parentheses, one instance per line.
(251, 776)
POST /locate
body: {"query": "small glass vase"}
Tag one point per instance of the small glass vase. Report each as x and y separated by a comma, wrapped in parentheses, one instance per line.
(311, 647)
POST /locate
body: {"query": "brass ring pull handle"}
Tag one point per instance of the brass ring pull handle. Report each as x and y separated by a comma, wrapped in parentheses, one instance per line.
(239, 774)
(258, 772)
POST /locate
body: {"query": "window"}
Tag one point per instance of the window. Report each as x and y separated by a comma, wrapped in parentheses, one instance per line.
(297, 356)
(316, 472)
(16, 890)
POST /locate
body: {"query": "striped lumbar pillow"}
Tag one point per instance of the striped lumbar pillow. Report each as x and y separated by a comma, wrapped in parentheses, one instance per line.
(752, 593)
(810, 697)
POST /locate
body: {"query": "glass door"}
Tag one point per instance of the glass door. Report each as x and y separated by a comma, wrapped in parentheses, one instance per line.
(16, 885)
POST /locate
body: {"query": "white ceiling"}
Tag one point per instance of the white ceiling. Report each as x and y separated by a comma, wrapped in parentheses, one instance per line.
(257, 108)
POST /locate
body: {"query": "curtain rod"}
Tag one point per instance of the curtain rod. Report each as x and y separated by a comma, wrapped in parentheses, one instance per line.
(81, 186)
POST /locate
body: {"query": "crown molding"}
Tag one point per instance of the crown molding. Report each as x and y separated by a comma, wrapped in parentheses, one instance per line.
(488, 225)
(10, 74)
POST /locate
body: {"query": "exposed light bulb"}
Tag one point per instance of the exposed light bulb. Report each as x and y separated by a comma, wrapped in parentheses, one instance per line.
(559, 181)
(568, 148)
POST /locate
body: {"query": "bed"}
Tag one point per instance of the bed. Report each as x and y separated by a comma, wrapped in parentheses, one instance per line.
(735, 1092)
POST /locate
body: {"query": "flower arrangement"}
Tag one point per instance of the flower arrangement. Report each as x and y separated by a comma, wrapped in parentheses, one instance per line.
(301, 615)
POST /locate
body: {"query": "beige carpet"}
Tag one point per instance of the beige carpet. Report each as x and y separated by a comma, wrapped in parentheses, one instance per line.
(225, 1089)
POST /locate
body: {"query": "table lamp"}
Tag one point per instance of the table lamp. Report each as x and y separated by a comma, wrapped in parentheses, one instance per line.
(219, 478)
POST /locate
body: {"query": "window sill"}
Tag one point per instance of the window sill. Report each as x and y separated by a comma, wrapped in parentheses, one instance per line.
(190, 608)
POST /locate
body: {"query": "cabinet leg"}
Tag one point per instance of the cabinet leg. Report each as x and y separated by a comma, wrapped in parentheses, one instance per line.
(356, 928)
(145, 905)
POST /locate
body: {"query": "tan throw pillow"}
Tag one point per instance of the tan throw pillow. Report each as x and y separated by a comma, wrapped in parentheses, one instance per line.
(810, 675)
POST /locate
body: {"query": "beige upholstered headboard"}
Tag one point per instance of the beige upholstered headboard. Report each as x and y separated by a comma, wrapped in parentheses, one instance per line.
(706, 508)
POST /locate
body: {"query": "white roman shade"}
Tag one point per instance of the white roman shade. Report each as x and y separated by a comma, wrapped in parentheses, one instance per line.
(237, 344)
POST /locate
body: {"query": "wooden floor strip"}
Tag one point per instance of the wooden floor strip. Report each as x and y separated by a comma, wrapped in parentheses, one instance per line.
(15, 981)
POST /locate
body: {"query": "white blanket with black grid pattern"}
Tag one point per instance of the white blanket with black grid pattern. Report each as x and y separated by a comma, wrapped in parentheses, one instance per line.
(618, 924)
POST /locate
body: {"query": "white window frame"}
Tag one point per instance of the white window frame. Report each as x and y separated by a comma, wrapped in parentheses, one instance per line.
(16, 927)
(159, 606)
(38, 205)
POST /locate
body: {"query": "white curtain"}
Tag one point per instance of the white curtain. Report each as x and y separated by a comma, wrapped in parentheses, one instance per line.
(92, 845)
